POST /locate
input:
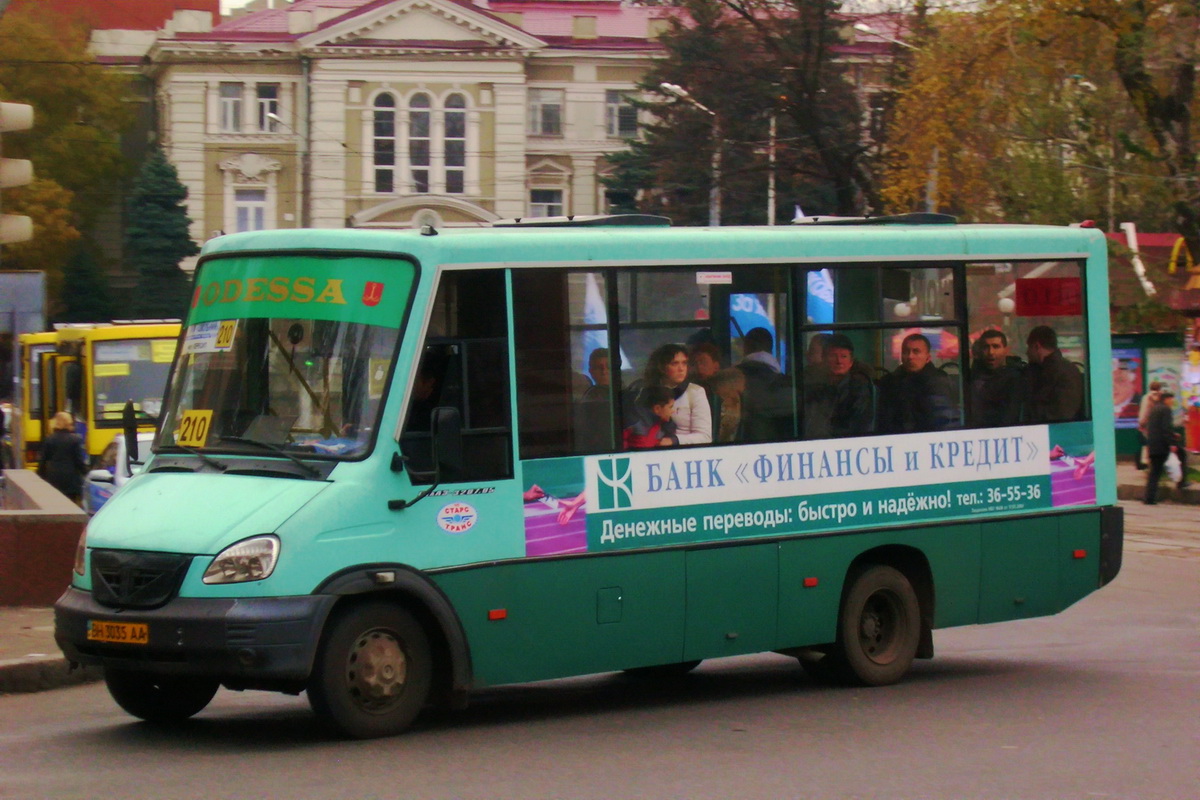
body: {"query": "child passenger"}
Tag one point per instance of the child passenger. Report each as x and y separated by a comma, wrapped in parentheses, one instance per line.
(653, 428)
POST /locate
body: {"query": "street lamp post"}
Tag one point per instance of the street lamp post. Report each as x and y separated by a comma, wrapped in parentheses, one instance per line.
(714, 192)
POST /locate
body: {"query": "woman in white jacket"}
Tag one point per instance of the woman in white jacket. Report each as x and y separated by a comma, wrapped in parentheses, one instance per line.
(668, 366)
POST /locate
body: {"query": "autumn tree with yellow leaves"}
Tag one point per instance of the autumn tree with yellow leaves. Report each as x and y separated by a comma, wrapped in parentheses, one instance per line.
(80, 110)
(1043, 112)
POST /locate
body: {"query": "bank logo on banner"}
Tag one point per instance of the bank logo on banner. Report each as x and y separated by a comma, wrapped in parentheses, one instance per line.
(614, 484)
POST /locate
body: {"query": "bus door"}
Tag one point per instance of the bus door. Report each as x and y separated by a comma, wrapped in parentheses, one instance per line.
(28, 426)
(48, 403)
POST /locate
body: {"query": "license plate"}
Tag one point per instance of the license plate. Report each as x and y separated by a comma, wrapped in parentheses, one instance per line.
(119, 632)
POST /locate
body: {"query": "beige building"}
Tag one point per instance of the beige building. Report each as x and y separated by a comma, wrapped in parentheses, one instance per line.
(398, 113)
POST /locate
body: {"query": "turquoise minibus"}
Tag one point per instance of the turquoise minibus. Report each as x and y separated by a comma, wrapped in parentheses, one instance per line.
(395, 467)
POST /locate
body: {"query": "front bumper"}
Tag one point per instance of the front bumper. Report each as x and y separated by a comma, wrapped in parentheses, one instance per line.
(241, 641)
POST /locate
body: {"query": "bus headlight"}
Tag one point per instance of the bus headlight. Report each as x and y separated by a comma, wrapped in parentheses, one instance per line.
(249, 560)
(81, 552)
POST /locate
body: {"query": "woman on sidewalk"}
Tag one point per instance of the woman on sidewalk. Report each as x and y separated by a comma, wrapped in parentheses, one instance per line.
(63, 459)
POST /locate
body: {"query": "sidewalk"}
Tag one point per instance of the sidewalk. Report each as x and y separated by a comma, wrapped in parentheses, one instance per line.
(30, 661)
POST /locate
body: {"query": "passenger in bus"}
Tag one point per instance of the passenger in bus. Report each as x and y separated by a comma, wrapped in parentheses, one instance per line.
(995, 382)
(1054, 386)
(668, 366)
(842, 403)
(593, 421)
(916, 396)
(704, 362)
(814, 357)
(653, 426)
(766, 406)
(728, 387)
(600, 373)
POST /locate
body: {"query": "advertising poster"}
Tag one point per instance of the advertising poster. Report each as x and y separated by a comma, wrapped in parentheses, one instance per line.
(671, 496)
(1164, 364)
(1127, 386)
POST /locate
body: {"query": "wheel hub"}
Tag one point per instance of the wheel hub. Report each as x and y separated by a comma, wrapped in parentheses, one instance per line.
(377, 670)
(877, 628)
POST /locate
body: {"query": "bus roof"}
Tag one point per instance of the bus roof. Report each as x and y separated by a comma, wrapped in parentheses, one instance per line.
(650, 244)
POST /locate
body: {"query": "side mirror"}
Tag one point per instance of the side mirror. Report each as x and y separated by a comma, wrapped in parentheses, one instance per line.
(445, 431)
(129, 424)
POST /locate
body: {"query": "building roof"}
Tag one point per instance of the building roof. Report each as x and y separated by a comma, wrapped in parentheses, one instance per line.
(139, 15)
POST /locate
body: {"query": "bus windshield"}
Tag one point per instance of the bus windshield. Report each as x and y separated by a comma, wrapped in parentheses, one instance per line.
(130, 369)
(290, 354)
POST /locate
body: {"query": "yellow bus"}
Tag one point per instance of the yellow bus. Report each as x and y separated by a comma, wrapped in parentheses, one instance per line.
(91, 371)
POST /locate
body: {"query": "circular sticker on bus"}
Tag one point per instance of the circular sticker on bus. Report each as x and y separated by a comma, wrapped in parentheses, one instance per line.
(457, 518)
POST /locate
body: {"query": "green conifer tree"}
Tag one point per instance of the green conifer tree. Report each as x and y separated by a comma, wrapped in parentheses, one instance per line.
(157, 239)
(86, 296)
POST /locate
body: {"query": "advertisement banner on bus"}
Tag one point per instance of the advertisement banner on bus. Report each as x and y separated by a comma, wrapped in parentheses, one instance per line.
(669, 496)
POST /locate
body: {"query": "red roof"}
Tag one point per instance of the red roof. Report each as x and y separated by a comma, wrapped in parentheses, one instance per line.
(140, 15)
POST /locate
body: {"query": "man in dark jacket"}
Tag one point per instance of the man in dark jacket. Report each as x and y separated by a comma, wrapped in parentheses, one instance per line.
(995, 383)
(1161, 441)
(841, 402)
(916, 396)
(1055, 385)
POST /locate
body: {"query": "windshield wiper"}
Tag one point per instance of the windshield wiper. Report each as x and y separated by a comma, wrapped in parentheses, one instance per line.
(309, 468)
(217, 465)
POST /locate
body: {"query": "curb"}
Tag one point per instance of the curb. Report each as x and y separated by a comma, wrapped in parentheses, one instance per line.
(1136, 491)
(25, 675)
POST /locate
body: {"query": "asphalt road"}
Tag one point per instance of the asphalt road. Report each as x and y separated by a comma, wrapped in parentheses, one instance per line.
(1100, 701)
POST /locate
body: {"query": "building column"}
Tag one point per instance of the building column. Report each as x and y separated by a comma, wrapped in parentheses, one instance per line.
(327, 159)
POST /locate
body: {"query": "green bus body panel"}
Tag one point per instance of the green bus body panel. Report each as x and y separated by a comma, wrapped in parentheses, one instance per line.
(186, 512)
(731, 600)
(641, 608)
(570, 616)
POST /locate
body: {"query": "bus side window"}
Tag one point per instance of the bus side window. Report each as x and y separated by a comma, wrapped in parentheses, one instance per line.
(464, 365)
(1009, 381)
(564, 402)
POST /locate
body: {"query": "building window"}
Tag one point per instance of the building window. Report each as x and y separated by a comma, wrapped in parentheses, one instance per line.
(620, 116)
(425, 139)
(545, 202)
(384, 137)
(419, 118)
(455, 142)
(250, 209)
(545, 112)
(268, 107)
(231, 107)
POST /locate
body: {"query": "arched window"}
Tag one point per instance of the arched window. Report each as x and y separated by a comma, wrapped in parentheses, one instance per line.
(419, 118)
(455, 142)
(384, 138)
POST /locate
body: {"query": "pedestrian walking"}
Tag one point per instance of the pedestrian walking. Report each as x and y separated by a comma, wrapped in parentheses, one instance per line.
(1162, 442)
(64, 460)
(1149, 400)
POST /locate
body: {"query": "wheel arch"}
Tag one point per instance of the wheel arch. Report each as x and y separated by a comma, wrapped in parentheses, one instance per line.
(414, 590)
(914, 565)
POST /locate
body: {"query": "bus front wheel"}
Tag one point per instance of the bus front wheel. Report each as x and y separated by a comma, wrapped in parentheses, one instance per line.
(159, 698)
(879, 628)
(373, 672)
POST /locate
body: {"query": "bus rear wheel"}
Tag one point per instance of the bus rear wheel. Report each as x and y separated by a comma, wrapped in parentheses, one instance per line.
(373, 672)
(159, 698)
(879, 628)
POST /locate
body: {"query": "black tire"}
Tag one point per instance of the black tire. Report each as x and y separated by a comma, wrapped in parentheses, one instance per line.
(879, 628)
(373, 672)
(159, 698)
(660, 672)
